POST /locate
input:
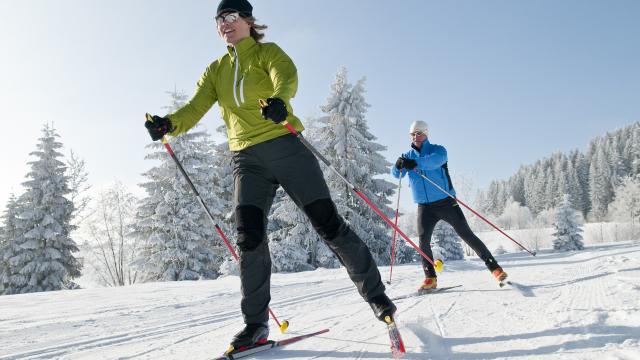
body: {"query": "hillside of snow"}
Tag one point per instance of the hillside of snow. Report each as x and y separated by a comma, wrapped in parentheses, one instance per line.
(575, 305)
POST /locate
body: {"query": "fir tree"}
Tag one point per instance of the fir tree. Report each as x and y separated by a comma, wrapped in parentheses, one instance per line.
(41, 257)
(8, 234)
(352, 150)
(600, 185)
(567, 228)
(178, 235)
(446, 242)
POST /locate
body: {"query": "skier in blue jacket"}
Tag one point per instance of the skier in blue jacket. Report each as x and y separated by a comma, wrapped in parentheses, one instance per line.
(434, 205)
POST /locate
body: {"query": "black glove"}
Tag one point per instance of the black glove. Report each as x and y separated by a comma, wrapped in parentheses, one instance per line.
(405, 163)
(276, 110)
(409, 164)
(159, 127)
(399, 163)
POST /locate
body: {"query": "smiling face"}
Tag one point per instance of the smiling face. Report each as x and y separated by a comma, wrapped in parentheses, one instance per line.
(232, 27)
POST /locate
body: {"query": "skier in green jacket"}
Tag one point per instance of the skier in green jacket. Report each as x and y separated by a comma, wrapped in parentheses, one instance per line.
(266, 155)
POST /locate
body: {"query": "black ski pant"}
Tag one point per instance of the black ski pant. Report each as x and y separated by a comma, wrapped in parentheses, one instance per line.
(258, 171)
(448, 210)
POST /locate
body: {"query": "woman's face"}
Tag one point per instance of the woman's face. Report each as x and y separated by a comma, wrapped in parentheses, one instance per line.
(232, 27)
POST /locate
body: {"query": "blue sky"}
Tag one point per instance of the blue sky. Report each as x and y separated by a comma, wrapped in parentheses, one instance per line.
(501, 83)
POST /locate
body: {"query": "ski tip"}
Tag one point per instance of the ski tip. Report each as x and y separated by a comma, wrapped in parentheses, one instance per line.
(148, 117)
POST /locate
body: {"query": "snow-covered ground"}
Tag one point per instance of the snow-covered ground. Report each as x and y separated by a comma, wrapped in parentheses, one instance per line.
(576, 305)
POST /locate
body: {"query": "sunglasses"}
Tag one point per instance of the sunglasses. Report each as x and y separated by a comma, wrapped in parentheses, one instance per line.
(227, 18)
(416, 133)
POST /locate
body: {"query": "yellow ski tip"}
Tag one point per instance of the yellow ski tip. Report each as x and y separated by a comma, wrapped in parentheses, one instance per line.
(284, 326)
(439, 265)
(148, 117)
(262, 102)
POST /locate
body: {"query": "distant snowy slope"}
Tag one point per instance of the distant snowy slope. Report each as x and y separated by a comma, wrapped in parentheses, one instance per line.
(575, 305)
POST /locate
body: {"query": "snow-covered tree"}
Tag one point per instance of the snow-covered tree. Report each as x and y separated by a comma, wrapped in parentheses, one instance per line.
(446, 243)
(515, 216)
(222, 168)
(109, 226)
(41, 258)
(78, 186)
(600, 184)
(352, 150)
(626, 205)
(567, 227)
(8, 234)
(180, 242)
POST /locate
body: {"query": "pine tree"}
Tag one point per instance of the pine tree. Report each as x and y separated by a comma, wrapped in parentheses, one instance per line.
(8, 234)
(446, 242)
(178, 235)
(352, 150)
(568, 228)
(600, 187)
(41, 258)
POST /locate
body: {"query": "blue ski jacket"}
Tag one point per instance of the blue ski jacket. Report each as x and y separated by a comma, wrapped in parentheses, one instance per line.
(432, 163)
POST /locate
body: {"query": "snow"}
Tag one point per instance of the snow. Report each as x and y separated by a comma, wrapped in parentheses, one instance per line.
(569, 305)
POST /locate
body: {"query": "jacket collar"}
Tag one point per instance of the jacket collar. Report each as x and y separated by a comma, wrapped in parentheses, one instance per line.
(423, 149)
(242, 46)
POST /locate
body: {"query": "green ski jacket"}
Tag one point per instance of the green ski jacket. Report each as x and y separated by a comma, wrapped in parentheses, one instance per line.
(248, 72)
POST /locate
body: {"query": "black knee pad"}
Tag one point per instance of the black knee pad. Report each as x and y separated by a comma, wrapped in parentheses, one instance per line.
(250, 226)
(324, 218)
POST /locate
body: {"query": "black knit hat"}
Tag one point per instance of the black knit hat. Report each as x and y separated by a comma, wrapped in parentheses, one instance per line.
(241, 6)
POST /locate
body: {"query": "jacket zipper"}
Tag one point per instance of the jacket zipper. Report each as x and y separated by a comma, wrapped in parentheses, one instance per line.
(235, 79)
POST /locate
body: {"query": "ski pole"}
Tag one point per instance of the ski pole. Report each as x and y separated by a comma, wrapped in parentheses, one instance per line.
(393, 243)
(473, 211)
(437, 265)
(285, 324)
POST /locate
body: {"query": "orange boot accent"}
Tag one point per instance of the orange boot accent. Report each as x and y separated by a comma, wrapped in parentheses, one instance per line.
(429, 283)
(499, 274)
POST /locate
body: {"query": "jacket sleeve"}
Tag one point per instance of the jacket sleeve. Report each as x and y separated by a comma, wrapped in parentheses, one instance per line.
(205, 96)
(283, 73)
(435, 160)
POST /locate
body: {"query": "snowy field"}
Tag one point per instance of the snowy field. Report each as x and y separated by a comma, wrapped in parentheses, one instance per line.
(576, 305)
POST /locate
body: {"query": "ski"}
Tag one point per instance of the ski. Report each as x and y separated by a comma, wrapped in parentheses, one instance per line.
(230, 355)
(397, 345)
(426, 292)
(524, 290)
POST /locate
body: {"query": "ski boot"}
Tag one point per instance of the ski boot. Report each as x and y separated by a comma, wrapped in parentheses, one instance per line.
(428, 284)
(382, 307)
(252, 335)
(499, 274)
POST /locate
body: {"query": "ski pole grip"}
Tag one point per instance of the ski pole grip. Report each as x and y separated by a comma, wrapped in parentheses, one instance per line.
(149, 117)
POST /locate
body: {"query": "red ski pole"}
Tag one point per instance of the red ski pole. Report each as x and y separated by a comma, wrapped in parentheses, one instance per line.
(393, 243)
(285, 324)
(475, 212)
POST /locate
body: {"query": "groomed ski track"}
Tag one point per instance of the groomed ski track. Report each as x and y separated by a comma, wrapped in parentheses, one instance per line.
(564, 306)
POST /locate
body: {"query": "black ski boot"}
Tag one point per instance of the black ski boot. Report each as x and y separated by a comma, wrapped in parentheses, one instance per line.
(382, 307)
(252, 334)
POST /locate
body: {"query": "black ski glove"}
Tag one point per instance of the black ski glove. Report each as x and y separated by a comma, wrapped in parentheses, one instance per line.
(159, 127)
(405, 163)
(399, 163)
(276, 110)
